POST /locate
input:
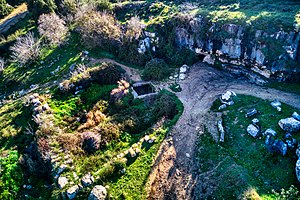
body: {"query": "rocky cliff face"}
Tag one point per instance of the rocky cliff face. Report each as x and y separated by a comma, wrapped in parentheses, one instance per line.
(259, 54)
(271, 55)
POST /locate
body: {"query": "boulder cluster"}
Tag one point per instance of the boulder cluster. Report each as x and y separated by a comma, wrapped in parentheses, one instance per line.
(181, 74)
(289, 125)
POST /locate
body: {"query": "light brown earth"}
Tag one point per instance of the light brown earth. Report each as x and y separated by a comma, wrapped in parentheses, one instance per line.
(175, 174)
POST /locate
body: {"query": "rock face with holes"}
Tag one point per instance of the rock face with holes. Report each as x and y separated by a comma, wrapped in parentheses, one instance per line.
(98, 193)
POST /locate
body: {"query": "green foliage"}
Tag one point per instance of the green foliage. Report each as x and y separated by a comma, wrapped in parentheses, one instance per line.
(96, 92)
(37, 7)
(5, 8)
(11, 176)
(99, 30)
(165, 105)
(156, 69)
(175, 87)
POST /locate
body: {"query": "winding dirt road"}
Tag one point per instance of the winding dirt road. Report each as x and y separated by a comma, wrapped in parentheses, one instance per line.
(174, 174)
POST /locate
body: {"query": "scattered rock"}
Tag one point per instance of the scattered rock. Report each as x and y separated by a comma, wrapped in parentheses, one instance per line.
(61, 169)
(275, 104)
(46, 107)
(221, 130)
(296, 116)
(270, 131)
(187, 155)
(268, 140)
(291, 143)
(209, 59)
(226, 97)
(72, 191)
(183, 69)
(182, 76)
(62, 182)
(298, 169)
(87, 180)
(222, 107)
(27, 187)
(255, 121)
(251, 112)
(279, 147)
(279, 109)
(131, 153)
(289, 124)
(253, 130)
(298, 151)
(287, 136)
(98, 193)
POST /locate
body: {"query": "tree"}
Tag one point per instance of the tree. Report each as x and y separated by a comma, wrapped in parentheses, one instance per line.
(134, 28)
(52, 28)
(155, 69)
(26, 49)
(99, 29)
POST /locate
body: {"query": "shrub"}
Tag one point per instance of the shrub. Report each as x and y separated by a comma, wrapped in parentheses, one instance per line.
(99, 30)
(37, 7)
(5, 8)
(90, 142)
(107, 73)
(118, 93)
(11, 177)
(156, 69)
(165, 106)
(71, 142)
(26, 49)
(52, 28)
(133, 29)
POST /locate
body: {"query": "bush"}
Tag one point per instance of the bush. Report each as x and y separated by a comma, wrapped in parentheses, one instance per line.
(26, 49)
(165, 106)
(99, 30)
(156, 69)
(5, 8)
(52, 28)
(133, 29)
(11, 177)
(37, 7)
(90, 142)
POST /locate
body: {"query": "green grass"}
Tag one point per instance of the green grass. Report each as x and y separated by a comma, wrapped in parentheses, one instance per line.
(101, 164)
(287, 87)
(132, 184)
(266, 14)
(244, 161)
(16, 78)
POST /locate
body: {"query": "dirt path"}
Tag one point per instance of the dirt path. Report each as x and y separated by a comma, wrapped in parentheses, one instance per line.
(174, 174)
(131, 72)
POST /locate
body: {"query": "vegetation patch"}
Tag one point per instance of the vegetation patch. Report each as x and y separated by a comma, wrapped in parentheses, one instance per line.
(254, 166)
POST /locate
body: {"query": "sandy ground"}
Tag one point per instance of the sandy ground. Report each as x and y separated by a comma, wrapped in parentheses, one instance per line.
(174, 174)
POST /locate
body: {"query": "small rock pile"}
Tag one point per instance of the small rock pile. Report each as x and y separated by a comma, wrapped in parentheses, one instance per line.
(226, 99)
(183, 70)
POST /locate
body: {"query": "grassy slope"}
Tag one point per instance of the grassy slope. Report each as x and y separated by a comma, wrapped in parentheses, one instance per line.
(246, 163)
